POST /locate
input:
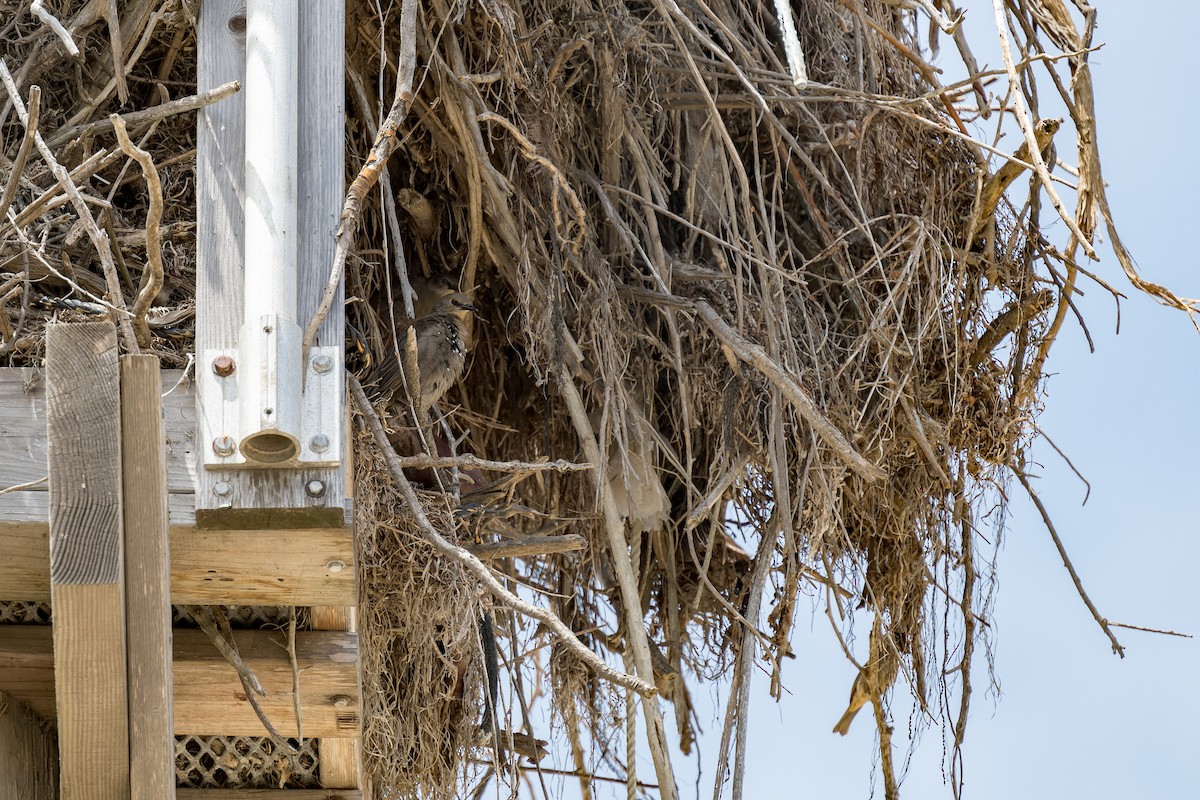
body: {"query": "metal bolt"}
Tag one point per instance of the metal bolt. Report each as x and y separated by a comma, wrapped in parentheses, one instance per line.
(322, 364)
(319, 443)
(223, 366)
(268, 411)
(335, 566)
(222, 489)
(340, 701)
(223, 446)
(267, 329)
(315, 488)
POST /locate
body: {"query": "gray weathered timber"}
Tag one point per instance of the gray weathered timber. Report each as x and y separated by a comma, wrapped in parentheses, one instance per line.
(24, 446)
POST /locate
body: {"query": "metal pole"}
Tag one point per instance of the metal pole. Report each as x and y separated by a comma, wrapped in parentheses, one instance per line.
(269, 339)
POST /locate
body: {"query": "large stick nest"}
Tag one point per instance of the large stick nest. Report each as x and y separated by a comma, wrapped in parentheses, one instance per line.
(806, 327)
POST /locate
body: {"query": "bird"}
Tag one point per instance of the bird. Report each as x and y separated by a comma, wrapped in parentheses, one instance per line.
(873, 680)
(441, 341)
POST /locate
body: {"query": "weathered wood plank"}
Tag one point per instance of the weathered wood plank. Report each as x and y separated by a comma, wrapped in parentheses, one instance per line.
(28, 753)
(147, 579)
(27, 666)
(23, 429)
(211, 700)
(269, 794)
(340, 759)
(86, 559)
(208, 697)
(33, 508)
(303, 567)
(266, 498)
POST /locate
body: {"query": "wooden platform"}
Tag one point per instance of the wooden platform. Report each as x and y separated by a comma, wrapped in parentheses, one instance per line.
(290, 566)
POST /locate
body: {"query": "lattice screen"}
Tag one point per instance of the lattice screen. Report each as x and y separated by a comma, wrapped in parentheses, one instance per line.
(20, 612)
(243, 762)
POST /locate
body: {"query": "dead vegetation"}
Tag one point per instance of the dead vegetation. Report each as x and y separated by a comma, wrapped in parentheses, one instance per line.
(798, 331)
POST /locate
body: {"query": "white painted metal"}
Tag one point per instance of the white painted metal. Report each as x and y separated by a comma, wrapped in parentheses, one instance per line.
(269, 338)
(319, 411)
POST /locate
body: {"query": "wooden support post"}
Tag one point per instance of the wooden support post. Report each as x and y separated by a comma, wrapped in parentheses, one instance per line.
(339, 759)
(86, 559)
(147, 579)
(28, 755)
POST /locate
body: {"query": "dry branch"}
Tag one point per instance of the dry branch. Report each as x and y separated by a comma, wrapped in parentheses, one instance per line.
(755, 356)
(147, 115)
(152, 277)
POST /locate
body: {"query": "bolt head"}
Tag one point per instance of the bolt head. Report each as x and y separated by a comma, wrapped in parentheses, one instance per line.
(335, 565)
(224, 446)
(222, 489)
(319, 443)
(322, 364)
(315, 488)
(223, 366)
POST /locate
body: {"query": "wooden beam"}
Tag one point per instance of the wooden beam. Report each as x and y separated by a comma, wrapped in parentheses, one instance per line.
(269, 794)
(28, 753)
(302, 567)
(27, 666)
(86, 559)
(340, 760)
(147, 579)
(208, 697)
(23, 430)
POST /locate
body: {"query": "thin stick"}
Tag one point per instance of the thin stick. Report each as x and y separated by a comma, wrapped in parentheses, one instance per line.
(51, 22)
(20, 487)
(31, 123)
(1022, 115)
(386, 142)
(530, 546)
(468, 461)
(1151, 630)
(152, 277)
(627, 582)
(476, 567)
(1062, 551)
(152, 114)
(295, 662)
(755, 356)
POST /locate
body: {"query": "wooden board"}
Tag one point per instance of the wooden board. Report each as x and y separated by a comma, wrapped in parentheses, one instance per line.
(254, 568)
(28, 754)
(147, 579)
(34, 508)
(220, 234)
(27, 666)
(23, 429)
(86, 559)
(208, 697)
(269, 794)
